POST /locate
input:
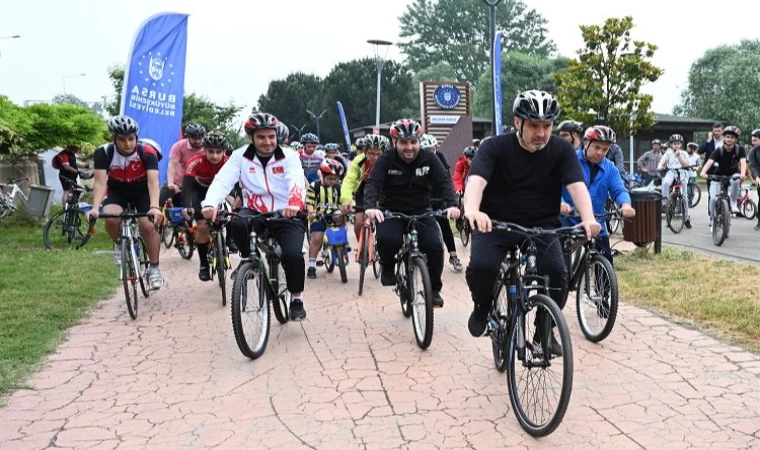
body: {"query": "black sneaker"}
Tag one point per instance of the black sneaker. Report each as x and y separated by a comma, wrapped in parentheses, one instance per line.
(388, 275)
(687, 224)
(478, 322)
(311, 273)
(296, 310)
(437, 299)
(757, 227)
(204, 274)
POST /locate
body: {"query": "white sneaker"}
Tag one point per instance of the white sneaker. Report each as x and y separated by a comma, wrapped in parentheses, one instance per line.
(155, 280)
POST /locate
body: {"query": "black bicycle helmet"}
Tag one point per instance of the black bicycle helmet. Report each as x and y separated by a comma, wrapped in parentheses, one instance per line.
(469, 152)
(195, 130)
(123, 126)
(215, 139)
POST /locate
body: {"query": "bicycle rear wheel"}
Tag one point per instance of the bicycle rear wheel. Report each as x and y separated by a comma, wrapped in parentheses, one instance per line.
(695, 194)
(67, 228)
(220, 265)
(339, 251)
(281, 297)
(542, 410)
(142, 266)
(402, 288)
(596, 301)
(613, 222)
(167, 234)
(466, 233)
(250, 311)
(375, 258)
(421, 294)
(129, 277)
(184, 241)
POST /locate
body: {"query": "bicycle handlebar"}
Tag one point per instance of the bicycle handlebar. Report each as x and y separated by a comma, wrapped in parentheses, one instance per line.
(16, 181)
(397, 215)
(574, 231)
(722, 177)
(125, 215)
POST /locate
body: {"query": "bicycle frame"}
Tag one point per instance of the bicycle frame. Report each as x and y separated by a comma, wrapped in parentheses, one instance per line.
(15, 190)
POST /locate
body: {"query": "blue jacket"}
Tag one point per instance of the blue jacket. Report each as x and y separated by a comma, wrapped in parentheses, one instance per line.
(607, 183)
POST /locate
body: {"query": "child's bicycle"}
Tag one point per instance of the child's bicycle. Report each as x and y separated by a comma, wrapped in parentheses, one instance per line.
(745, 204)
(335, 244)
(183, 234)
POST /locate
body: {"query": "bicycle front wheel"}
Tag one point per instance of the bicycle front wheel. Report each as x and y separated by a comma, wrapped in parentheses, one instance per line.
(279, 294)
(363, 261)
(499, 335)
(749, 210)
(142, 266)
(596, 301)
(129, 277)
(167, 234)
(540, 381)
(220, 264)
(675, 214)
(375, 259)
(184, 241)
(695, 194)
(250, 311)
(721, 221)
(421, 294)
(339, 252)
(466, 233)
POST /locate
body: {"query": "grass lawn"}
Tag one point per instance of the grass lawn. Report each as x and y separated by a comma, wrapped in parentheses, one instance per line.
(43, 293)
(674, 282)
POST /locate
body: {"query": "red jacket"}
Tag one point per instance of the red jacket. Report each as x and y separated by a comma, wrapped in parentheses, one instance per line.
(461, 170)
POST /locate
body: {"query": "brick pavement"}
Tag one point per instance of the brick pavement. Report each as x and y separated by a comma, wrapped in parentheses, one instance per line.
(351, 376)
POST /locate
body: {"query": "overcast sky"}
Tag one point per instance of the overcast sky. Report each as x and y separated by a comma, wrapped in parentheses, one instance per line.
(236, 47)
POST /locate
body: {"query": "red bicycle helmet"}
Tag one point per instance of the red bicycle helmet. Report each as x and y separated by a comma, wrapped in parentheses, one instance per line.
(260, 121)
(600, 133)
(406, 129)
(332, 167)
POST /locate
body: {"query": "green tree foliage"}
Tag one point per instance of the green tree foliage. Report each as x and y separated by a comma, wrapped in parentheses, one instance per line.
(116, 75)
(456, 32)
(519, 72)
(289, 98)
(607, 77)
(724, 84)
(69, 99)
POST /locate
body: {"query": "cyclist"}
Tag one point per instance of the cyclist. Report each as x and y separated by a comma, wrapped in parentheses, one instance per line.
(129, 170)
(461, 170)
(571, 131)
(675, 158)
(199, 174)
(754, 166)
(518, 178)
(68, 171)
(694, 161)
(358, 149)
(332, 151)
(322, 197)
(311, 158)
(272, 179)
(283, 134)
(429, 143)
(647, 163)
(405, 180)
(603, 181)
(358, 172)
(179, 155)
(730, 159)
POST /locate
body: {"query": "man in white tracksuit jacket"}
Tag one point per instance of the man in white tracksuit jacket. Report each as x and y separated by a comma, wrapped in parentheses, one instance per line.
(272, 179)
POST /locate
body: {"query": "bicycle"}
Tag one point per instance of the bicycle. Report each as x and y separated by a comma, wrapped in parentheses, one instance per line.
(413, 278)
(694, 192)
(366, 252)
(676, 203)
(465, 231)
(720, 219)
(134, 257)
(334, 245)
(166, 227)
(518, 291)
(613, 220)
(745, 204)
(8, 200)
(183, 233)
(592, 274)
(70, 223)
(218, 255)
(263, 267)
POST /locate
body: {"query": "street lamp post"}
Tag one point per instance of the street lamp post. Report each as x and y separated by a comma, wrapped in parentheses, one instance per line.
(491, 35)
(316, 118)
(70, 76)
(376, 44)
(16, 36)
(300, 130)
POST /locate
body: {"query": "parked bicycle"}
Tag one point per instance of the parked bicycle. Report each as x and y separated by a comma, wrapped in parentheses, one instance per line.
(264, 270)
(68, 228)
(134, 257)
(521, 324)
(720, 220)
(413, 279)
(8, 199)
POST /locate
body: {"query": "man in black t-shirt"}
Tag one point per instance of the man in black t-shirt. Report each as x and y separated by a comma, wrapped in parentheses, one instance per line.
(730, 159)
(518, 178)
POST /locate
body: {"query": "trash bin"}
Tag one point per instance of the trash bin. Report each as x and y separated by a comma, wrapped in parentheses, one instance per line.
(646, 226)
(40, 199)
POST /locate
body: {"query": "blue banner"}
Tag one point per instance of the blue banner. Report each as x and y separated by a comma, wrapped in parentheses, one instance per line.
(345, 127)
(154, 81)
(497, 82)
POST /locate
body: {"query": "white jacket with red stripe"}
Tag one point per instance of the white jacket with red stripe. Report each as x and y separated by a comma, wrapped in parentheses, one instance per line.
(281, 183)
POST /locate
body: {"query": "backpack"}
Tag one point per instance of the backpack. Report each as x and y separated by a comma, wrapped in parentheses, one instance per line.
(57, 165)
(111, 149)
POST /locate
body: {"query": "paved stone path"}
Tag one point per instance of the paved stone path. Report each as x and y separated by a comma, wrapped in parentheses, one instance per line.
(351, 376)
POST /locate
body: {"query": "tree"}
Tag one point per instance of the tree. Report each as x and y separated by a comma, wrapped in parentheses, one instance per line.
(116, 74)
(354, 84)
(288, 99)
(456, 32)
(607, 78)
(723, 84)
(70, 99)
(519, 72)
(441, 71)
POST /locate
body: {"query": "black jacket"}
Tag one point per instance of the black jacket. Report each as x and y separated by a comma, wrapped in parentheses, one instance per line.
(707, 148)
(754, 162)
(408, 188)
